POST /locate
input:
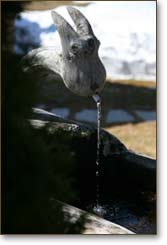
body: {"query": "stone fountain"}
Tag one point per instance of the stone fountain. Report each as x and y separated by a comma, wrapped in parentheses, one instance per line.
(107, 172)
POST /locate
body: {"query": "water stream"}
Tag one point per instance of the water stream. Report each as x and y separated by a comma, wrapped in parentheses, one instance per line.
(98, 208)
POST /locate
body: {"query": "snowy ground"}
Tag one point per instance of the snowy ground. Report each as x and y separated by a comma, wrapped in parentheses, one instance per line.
(126, 29)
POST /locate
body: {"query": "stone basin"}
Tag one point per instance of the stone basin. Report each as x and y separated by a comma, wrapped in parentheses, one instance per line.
(127, 181)
(93, 224)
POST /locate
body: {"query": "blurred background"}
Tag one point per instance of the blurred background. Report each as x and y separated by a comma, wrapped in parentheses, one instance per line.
(32, 174)
(127, 31)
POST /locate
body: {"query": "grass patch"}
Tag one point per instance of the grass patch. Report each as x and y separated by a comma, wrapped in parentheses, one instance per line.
(139, 137)
(137, 83)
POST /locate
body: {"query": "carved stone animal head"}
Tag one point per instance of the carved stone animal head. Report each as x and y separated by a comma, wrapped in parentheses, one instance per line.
(81, 69)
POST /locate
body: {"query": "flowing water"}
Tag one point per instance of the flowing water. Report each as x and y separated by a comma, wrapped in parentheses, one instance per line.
(98, 208)
(125, 213)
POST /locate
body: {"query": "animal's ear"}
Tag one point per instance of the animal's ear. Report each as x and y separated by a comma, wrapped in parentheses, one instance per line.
(65, 30)
(82, 24)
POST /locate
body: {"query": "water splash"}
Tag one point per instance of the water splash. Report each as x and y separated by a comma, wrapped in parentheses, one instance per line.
(99, 210)
(98, 102)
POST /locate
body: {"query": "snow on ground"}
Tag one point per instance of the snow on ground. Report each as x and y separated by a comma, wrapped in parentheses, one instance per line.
(126, 30)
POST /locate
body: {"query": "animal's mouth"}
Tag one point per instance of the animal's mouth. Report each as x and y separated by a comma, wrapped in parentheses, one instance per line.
(84, 73)
(94, 86)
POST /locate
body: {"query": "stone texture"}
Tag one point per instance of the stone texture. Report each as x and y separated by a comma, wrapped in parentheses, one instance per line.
(124, 176)
(93, 224)
(78, 64)
(137, 172)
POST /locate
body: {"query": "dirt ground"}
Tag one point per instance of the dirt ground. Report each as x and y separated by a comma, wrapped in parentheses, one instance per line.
(139, 137)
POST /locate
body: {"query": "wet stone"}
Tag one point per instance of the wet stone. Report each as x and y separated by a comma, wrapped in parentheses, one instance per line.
(123, 175)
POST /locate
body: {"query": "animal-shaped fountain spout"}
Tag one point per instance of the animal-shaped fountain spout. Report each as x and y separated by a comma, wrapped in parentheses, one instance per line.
(78, 64)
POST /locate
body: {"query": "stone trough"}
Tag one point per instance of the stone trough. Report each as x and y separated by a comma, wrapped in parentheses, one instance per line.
(93, 224)
(127, 181)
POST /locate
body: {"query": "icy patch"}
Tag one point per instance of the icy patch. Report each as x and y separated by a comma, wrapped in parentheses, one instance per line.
(63, 112)
(86, 115)
(146, 115)
(118, 116)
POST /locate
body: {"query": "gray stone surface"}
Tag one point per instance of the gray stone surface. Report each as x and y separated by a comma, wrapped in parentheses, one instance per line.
(93, 224)
(124, 175)
(110, 145)
(41, 118)
(78, 64)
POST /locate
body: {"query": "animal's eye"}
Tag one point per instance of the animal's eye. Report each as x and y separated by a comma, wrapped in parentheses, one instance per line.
(91, 42)
(74, 47)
